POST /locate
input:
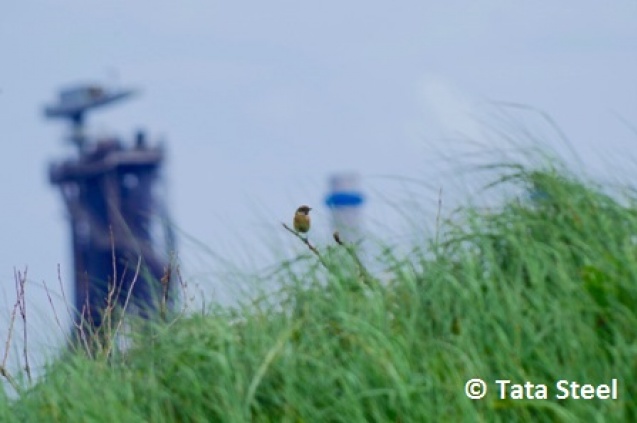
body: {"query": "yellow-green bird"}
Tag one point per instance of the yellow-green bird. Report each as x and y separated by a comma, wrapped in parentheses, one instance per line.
(302, 219)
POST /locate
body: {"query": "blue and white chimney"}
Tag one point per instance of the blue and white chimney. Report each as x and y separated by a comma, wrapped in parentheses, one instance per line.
(345, 200)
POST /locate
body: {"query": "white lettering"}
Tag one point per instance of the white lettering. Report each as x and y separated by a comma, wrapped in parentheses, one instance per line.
(560, 387)
(587, 391)
(503, 386)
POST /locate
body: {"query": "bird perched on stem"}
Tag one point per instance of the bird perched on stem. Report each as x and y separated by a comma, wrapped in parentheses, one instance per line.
(302, 219)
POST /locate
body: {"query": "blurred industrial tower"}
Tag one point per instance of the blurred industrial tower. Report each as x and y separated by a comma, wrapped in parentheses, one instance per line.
(119, 226)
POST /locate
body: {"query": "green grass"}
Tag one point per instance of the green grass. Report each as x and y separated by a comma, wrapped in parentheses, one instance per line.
(533, 291)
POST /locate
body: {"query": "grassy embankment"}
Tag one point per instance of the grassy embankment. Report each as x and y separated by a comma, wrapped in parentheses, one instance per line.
(529, 292)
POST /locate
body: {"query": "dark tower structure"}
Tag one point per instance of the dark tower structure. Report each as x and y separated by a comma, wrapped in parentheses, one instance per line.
(119, 227)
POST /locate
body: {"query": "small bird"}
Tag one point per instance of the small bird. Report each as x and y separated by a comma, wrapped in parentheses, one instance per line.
(302, 219)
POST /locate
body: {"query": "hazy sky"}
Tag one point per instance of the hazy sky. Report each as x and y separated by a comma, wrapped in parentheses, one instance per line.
(258, 102)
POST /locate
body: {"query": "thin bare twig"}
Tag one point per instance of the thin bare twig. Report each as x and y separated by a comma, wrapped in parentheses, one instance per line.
(112, 290)
(21, 279)
(81, 326)
(364, 274)
(7, 344)
(55, 313)
(307, 243)
(5, 374)
(66, 302)
(128, 296)
(112, 299)
(3, 367)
